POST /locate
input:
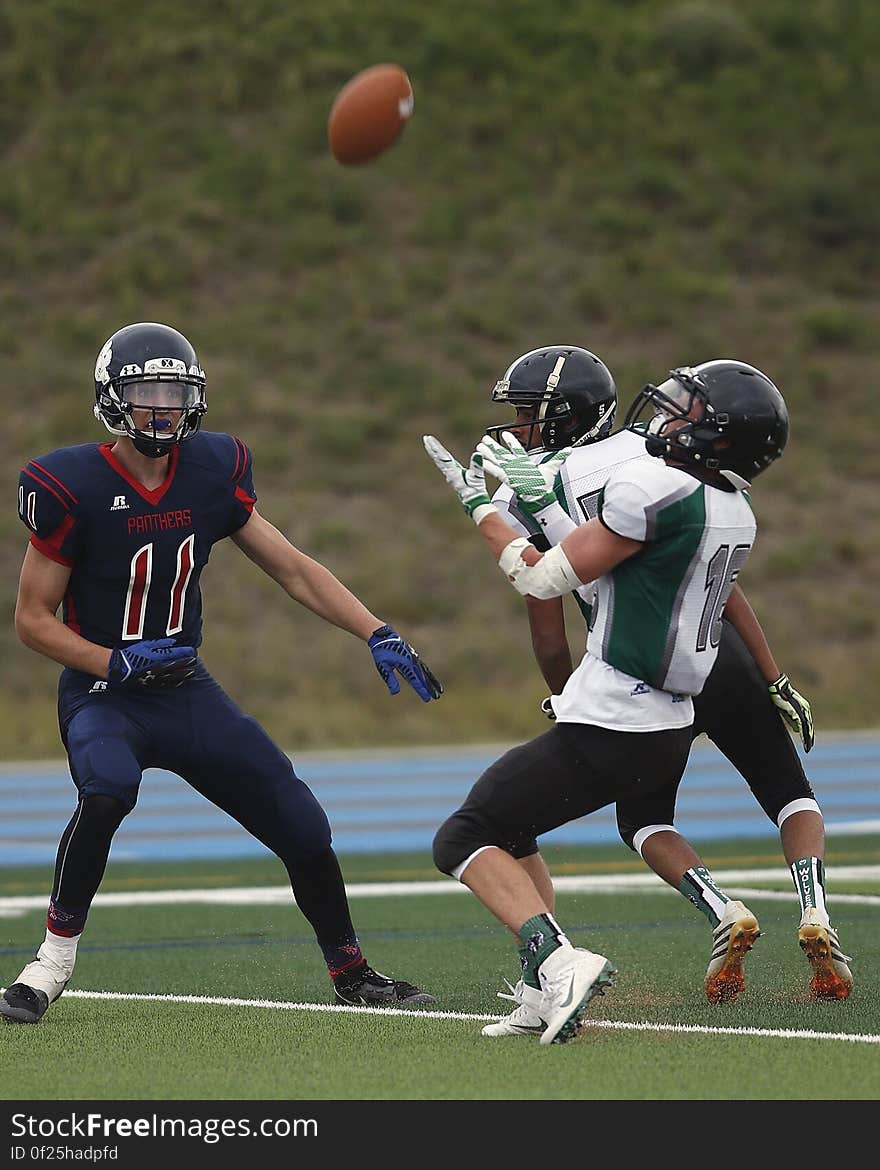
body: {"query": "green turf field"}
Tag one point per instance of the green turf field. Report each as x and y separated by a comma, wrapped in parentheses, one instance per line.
(653, 1037)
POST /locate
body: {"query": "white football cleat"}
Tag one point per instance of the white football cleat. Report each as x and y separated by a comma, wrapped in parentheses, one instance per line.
(39, 984)
(832, 978)
(732, 939)
(525, 1019)
(570, 977)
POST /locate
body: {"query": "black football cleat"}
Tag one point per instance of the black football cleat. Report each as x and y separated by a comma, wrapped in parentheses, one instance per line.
(365, 987)
(21, 1004)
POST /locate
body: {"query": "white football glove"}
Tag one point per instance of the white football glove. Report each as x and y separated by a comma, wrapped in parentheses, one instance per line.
(532, 482)
(468, 483)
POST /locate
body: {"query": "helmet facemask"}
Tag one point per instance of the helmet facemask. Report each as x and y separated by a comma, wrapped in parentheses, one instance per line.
(680, 425)
(159, 411)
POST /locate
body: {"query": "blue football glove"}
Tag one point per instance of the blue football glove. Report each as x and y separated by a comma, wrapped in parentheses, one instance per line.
(155, 664)
(391, 653)
(794, 709)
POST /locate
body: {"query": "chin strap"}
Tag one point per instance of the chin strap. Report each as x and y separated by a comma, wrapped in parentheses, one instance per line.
(737, 480)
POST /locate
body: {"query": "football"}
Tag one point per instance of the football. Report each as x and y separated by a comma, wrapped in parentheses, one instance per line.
(369, 113)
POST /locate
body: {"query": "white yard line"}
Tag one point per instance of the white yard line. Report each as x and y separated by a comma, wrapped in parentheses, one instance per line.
(646, 882)
(618, 1025)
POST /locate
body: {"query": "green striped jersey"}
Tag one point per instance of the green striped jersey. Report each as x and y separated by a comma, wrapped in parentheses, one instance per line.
(657, 615)
(656, 620)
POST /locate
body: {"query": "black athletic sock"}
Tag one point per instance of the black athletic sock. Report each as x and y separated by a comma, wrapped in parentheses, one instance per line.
(319, 890)
(81, 861)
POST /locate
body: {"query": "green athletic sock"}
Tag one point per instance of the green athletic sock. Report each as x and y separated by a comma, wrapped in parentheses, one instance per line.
(809, 881)
(539, 937)
(699, 887)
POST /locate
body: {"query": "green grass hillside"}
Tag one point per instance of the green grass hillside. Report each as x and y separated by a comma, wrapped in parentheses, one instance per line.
(662, 183)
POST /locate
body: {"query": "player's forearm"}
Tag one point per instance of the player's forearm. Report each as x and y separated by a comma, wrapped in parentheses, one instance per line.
(498, 535)
(742, 617)
(315, 587)
(549, 641)
(48, 636)
(555, 667)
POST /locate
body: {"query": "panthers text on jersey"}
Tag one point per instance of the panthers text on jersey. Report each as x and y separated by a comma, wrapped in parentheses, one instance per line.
(136, 555)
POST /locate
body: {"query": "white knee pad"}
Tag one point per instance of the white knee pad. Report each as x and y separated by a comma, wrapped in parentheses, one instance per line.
(640, 837)
(459, 869)
(803, 804)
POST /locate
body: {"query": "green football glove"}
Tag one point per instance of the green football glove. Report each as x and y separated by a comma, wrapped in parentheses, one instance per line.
(794, 709)
(532, 482)
(469, 483)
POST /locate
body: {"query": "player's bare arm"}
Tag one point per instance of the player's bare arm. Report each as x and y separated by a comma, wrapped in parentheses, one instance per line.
(793, 707)
(549, 641)
(304, 579)
(589, 552)
(742, 617)
(41, 587)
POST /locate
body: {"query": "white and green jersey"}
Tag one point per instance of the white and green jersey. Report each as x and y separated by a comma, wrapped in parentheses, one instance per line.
(581, 478)
(656, 618)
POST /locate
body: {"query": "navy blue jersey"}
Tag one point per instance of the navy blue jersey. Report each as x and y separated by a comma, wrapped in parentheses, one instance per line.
(136, 555)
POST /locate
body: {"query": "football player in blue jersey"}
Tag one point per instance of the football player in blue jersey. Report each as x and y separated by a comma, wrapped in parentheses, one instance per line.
(120, 532)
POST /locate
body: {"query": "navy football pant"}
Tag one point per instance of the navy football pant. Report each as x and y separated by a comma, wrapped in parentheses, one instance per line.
(199, 733)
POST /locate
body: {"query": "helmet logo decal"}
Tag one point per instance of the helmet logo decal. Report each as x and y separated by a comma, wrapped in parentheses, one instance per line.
(102, 365)
(553, 379)
(163, 366)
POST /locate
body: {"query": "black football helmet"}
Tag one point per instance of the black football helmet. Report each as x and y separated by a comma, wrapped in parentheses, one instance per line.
(573, 391)
(150, 367)
(731, 420)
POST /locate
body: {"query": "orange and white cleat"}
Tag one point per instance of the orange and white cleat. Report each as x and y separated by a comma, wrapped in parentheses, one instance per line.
(732, 939)
(832, 978)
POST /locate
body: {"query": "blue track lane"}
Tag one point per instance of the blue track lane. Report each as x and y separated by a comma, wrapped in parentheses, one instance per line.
(386, 801)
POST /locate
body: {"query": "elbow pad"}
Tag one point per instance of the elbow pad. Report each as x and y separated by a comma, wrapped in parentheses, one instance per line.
(552, 576)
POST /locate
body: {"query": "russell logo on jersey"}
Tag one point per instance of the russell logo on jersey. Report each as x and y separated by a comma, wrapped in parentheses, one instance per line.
(643, 689)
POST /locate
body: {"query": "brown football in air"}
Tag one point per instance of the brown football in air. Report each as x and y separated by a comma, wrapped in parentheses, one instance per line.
(369, 113)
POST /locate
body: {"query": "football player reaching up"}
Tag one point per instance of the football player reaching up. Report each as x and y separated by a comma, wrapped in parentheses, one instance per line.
(623, 718)
(566, 418)
(119, 535)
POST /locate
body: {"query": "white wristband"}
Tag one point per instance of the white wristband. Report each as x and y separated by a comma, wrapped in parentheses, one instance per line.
(481, 511)
(555, 522)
